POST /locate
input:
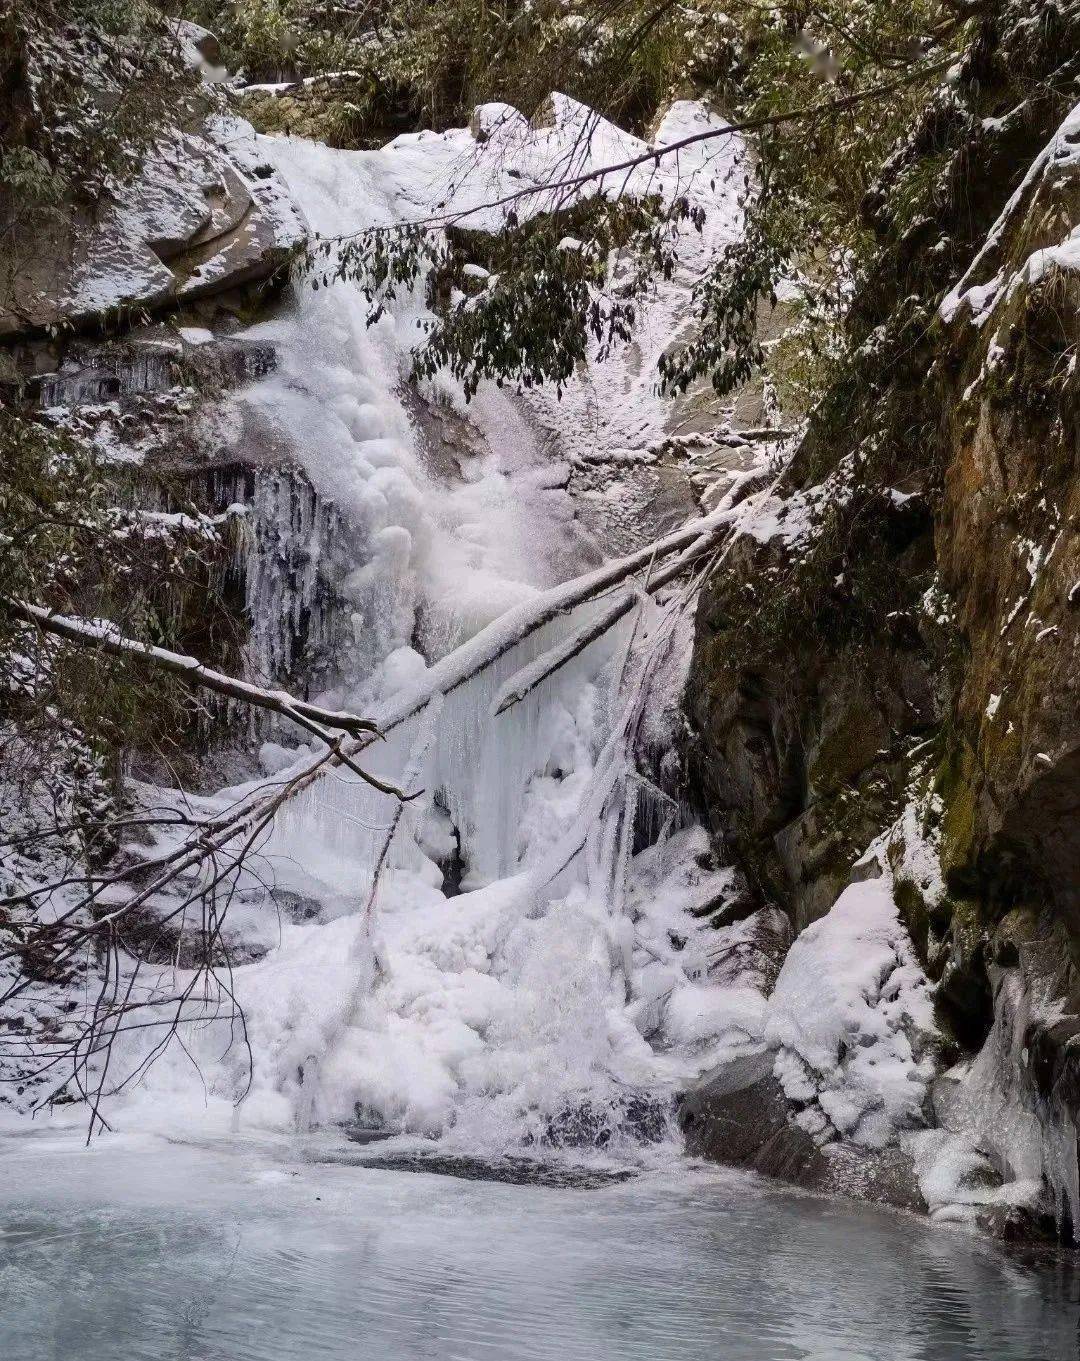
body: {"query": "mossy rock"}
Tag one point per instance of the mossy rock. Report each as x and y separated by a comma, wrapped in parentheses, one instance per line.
(955, 783)
(852, 743)
(927, 924)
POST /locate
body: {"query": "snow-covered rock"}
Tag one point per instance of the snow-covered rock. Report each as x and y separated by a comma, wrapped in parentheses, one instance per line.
(852, 1022)
(207, 213)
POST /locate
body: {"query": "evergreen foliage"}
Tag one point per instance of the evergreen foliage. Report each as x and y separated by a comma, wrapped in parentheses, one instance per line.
(90, 83)
(827, 91)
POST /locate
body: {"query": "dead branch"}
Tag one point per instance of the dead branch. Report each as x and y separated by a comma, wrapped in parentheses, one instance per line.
(104, 636)
(653, 155)
(526, 680)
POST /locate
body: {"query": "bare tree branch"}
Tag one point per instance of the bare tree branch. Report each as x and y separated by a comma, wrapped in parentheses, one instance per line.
(654, 155)
(104, 636)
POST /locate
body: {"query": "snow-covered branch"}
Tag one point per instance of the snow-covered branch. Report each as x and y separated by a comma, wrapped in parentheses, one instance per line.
(103, 635)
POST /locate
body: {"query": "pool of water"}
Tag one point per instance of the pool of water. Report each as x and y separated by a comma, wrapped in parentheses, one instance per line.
(148, 1248)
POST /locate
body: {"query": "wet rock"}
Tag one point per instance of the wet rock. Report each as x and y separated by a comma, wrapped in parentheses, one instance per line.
(1018, 1224)
(739, 1116)
(513, 1171)
(641, 1117)
(297, 907)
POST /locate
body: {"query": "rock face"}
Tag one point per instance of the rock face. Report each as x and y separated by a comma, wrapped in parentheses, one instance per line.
(342, 108)
(205, 215)
(901, 627)
(158, 406)
(1008, 538)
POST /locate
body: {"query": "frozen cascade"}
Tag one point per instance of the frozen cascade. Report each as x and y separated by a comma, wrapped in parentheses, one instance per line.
(535, 964)
(560, 993)
(535, 852)
(298, 547)
(992, 1117)
(103, 374)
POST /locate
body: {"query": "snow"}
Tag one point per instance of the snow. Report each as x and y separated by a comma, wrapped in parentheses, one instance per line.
(606, 409)
(577, 968)
(573, 974)
(192, 39)
(849, 1019)
(195, 335)
(284, 86)
(274, 206)
(123, 260)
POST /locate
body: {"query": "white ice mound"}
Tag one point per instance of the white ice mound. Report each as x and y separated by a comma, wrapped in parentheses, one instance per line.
(853, 1022)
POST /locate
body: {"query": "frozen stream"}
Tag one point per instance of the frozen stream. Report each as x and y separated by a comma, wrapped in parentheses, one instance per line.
(143, 1248)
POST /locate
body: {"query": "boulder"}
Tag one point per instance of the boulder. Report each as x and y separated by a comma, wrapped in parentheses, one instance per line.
(206, 214)
(739, 1116)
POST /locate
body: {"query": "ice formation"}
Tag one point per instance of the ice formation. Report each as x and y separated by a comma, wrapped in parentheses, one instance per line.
(520, 954)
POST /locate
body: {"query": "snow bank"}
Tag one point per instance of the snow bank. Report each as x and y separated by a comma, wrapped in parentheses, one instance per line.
(851, 1016)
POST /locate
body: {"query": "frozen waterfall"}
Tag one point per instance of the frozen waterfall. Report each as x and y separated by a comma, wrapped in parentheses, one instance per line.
(518, 954)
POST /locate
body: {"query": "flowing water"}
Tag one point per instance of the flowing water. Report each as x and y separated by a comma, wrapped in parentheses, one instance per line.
(144, 1249)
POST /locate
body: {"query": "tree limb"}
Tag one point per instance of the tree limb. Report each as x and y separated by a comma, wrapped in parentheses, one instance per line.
(105, 636)
(654, 155)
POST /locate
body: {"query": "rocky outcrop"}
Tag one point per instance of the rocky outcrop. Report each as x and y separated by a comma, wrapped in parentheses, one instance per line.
(163, 408)
(741, 1116)
(341, 108)
(848, 1051)
(825, 654)
(1009, 535)
(900, 629)
(205, 215)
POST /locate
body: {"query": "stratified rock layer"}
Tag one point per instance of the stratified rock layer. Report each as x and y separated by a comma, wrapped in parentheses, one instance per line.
(205, 215)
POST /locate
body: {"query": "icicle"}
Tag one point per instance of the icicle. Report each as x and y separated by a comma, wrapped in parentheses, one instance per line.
(625, 849)
(414, 811)
(484, 764)
(1061, 1170)
(297, 546)
(308, 1094)
(656, 814)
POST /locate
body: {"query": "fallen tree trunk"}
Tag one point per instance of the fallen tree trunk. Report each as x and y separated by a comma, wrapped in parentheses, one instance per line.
(505, 633)
(526, 680)
(512, 628)
(714, 541)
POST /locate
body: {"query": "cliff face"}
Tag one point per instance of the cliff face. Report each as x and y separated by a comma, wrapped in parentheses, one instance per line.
(1008, 549)
(893, 652)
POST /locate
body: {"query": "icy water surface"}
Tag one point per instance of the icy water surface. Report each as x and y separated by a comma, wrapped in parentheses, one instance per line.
(157, 1250)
